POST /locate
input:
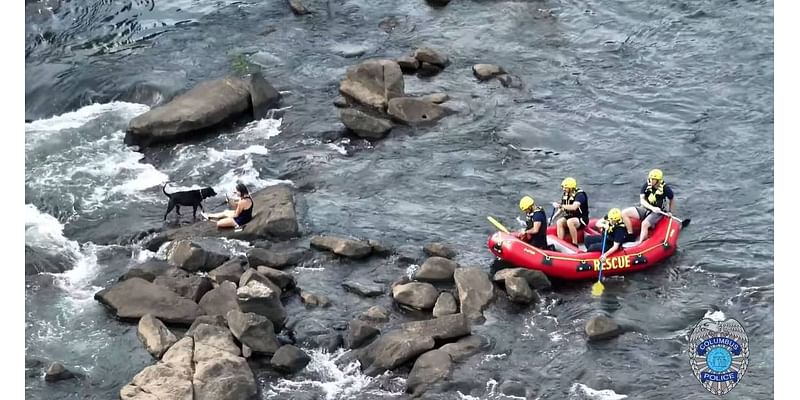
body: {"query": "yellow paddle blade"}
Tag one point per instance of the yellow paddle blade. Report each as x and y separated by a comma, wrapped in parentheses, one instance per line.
(497, 224)
(597, 289)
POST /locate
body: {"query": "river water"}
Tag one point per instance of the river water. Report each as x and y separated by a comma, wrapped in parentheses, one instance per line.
(610, 90)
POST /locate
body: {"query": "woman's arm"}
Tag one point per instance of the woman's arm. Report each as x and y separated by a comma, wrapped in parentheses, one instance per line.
(239, 208)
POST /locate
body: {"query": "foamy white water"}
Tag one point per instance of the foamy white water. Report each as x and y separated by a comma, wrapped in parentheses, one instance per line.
(334, 381)
(581, 391)
(44, 233)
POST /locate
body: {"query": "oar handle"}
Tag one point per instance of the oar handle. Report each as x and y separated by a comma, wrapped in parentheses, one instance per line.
(602, 251)
(668, 215)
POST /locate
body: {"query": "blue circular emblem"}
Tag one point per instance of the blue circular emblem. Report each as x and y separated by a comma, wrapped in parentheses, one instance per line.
(719, 359)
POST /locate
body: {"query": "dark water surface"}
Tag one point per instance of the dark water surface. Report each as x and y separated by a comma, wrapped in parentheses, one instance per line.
(611, 90)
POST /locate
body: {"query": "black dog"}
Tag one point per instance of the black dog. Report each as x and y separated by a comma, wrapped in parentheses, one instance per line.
(192, 198)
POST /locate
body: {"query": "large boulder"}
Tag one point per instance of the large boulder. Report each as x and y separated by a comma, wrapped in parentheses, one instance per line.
(436, 269)
(412, 111)
(358, 333)
(463, 348)
(445, 327)
(439, 249)
(418, 295)
(519, 291)
(376, 313)
(231, 271)
(601, 328)
(190, 286)
(220, 300)
(445, 305)
(214, 338)
(263, 97)
(289, 359)
(147, 270)
(136, 297)
(342, 246)
(252, 274)
(253, 330)
(193, 256)
(170, 378)
(429, 368)
(392, 350)
(218, 320)
(262, 299)
(273, 217)
(486, 71)
(431, 56)
(284, 280)
(536, 279)
(373, 83)
(155, 336)
(219, 371)
(275, 259)
(224, 377)
(365, 125)
(475, 291)
(204, 106)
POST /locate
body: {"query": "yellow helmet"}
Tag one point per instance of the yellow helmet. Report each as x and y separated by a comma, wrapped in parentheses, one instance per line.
(569, 183)
(526, 203)
(614, 215)
(655, 174)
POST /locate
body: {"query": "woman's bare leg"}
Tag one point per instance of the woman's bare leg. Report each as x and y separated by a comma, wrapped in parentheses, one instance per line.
(227, 222)
(224, 214)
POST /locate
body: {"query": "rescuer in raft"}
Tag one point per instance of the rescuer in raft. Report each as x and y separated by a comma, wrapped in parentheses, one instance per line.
(575, 205)
(615, 230)
(535, 232)
(653, 198)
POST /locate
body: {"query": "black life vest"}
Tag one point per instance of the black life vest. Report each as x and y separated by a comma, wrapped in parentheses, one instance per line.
(654, 195)
(618, 225)
(582, 212)
(538, 239)
(529, 217)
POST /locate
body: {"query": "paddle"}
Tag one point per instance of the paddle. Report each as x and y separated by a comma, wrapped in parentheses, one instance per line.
(497, 224)
(553, 215)
(684, 222)
(597, 287)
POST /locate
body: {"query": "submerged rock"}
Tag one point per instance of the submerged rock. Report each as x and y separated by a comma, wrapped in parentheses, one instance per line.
(57, 372)
(601, 328)
(289, 359)
(342, 246)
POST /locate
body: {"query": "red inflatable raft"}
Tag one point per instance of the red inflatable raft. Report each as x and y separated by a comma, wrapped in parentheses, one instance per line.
(571, 263)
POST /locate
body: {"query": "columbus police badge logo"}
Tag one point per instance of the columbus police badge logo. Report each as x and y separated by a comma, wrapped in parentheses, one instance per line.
(719, 353)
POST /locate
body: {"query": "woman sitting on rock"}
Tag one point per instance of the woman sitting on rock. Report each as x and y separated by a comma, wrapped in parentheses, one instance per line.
(242, 213)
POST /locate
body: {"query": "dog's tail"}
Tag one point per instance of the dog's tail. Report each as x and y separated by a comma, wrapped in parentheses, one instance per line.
(164, 189)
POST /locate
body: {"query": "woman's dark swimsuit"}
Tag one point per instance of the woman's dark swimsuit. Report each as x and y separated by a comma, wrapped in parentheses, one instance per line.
(246, 215)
